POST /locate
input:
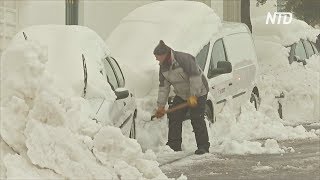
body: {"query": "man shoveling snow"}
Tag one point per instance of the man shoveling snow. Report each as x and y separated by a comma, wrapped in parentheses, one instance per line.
(181, 71)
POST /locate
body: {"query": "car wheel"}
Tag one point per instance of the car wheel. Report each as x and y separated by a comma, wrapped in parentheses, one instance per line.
(255, 100)
(209, 114)
(133, 128)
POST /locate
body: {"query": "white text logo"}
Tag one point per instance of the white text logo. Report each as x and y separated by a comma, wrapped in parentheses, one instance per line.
(279, 18)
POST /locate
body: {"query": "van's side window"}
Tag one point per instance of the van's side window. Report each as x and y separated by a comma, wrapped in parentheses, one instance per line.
(217, 54)
(201, 57)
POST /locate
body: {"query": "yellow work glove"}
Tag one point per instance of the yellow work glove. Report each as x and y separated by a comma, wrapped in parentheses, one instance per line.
(192, 101)
(160, 112)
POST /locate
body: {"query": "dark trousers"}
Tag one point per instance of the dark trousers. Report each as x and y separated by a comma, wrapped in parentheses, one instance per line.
(197, 120)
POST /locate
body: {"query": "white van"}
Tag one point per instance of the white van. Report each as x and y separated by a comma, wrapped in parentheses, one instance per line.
(230, 64)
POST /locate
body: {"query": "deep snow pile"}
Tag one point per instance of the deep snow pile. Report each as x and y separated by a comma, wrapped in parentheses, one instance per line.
(183, 25)
(252, 132)
(298, 83)
(66, 45)
(47, 133)
(238, 134)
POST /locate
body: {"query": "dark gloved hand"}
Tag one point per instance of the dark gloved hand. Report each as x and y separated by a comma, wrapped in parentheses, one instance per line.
(160, 112)
(192, 101)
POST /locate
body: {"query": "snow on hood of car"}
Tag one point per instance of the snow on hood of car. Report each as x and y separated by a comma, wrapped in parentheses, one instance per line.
(65, 46)
(183, 25)
(285, 34)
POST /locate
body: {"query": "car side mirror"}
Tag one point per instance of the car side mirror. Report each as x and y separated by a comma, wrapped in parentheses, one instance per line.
(121, 93)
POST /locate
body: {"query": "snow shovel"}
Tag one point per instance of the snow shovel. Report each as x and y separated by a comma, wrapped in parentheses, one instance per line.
(173, 109)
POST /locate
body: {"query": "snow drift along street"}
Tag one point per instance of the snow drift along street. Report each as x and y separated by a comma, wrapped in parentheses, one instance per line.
(48, 134)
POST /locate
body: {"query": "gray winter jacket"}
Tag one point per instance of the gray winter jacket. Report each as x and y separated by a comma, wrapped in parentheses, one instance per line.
(184, 75)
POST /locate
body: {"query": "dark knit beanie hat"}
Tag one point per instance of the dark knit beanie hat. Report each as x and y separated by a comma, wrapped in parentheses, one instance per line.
(161, 49)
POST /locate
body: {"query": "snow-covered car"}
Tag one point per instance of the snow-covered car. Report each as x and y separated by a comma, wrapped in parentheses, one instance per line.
(289, 66)
(79, 58)
(299, 37)
(224, 51)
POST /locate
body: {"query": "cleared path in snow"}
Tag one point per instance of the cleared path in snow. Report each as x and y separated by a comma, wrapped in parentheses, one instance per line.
(303, 163)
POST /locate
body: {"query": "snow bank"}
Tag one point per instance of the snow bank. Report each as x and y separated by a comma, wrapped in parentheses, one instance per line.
(285, 34)
(183, 25)
(238, 135)
(65, 46)
(252, 132)
(252, 124)
(50, 134)
(300, 84)
(229, 135)
(18, 167)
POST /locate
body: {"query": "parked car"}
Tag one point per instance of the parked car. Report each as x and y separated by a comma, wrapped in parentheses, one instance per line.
(230, 64)
(227, 58)
(78, 57)
(286, 56)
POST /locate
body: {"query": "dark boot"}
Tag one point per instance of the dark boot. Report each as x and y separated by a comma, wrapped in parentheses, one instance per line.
(201, 151)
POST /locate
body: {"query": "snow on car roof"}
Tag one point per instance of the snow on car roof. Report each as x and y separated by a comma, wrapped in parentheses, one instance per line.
(285, 34)
(183, 25)
(66, 44)
(171, 12)
(233, 27)
(176, 22)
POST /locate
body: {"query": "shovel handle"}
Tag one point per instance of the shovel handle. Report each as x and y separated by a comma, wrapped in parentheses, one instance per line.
(177, 107)
(173, 109)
